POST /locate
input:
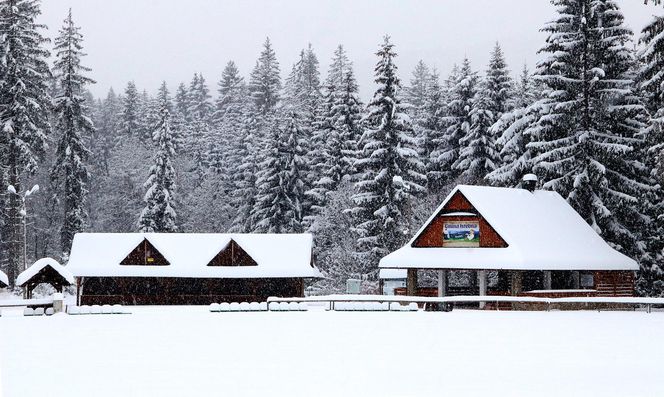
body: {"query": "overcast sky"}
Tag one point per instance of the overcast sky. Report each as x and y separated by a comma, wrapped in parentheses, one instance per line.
(153, 40)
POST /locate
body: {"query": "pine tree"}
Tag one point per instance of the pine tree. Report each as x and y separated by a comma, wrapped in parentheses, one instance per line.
(228, 120)
(231, 90)
(159, 213)
(130, 110)
(200, 136)
(478, 155)
(25, 103)
(244, 177)
(433, 134)
(105, 135)
(281, 184)
(337, 131)
(651, 84)
(457, 121)
(148, 115)
(498, 83)
(74, 126)
(265, 82)
(181, 101)
(303, 87)
(391, 173)
(347, 118)
(516, 156)
(417, 92)
(587, 127)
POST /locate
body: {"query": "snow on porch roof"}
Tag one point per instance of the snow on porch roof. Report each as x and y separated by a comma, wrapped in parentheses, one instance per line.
(277, 255)
(542, 230)
(36, 267)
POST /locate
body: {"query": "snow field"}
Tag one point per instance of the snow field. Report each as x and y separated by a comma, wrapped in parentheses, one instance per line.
(176, 351)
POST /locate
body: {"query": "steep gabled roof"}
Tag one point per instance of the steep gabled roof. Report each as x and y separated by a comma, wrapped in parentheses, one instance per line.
(276, 255)
(40, 266)
(542, 230)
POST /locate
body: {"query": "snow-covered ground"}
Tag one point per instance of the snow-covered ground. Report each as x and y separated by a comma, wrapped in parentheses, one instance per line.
(187, 351)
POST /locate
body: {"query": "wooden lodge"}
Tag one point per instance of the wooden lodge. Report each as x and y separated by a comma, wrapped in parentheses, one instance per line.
(509, 241)
(189, 269)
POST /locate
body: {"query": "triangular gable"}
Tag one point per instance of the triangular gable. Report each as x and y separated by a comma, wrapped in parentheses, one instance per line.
(232, 255)
(457, 208)
(145, 254)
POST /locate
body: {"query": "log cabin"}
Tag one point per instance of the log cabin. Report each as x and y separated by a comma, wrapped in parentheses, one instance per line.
(189, 268)
(510, 241)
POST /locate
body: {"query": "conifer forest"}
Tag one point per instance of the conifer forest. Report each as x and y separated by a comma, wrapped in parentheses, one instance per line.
(287, 149)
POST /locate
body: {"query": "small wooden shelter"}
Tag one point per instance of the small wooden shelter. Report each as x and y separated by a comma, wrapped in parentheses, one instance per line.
(510, 241)
(189, 268)
(44, 271)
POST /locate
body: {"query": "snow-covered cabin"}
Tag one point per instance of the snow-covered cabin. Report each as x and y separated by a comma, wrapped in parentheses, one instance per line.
(492, 240)
(44, 271)
(189, 268)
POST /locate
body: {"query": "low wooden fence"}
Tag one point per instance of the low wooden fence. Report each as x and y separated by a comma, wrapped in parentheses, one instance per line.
(518, 302)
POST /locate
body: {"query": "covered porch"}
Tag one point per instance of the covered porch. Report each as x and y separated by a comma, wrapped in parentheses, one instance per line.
(518, 283)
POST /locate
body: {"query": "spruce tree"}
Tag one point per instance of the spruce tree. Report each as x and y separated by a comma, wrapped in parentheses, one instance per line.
(130, 110)
(587, 126)
(478, 155)
(499, 87)
(74, 127)
(244, 176)
(416, 94)
(159, 213)
(651, 84)
(281, 183)
(516, 155)
(181, 101)
(25, 104)
(336, 133)
(265, 82)
(433, 134)
(391, 173)
(457, 120)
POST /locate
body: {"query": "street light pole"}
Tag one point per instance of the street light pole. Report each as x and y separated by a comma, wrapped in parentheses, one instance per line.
(24, 214)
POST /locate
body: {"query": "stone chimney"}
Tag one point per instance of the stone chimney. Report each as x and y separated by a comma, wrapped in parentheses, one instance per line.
(529, 182)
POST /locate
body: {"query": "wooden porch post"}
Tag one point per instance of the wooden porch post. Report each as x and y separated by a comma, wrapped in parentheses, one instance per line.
(442, 283)
(576, 279)
(78, 291)
(411, 282)
(547, 279)
(481, 275)
(517, 282)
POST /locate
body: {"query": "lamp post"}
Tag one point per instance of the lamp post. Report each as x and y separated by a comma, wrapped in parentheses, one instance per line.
(24, 214)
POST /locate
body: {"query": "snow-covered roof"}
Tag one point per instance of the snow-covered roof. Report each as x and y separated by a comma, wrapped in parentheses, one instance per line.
(36, 267)
(4, 280)
(542, 230)
(188, 254)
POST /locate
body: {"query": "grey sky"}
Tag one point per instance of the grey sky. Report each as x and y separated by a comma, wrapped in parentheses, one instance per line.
(153, 40)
